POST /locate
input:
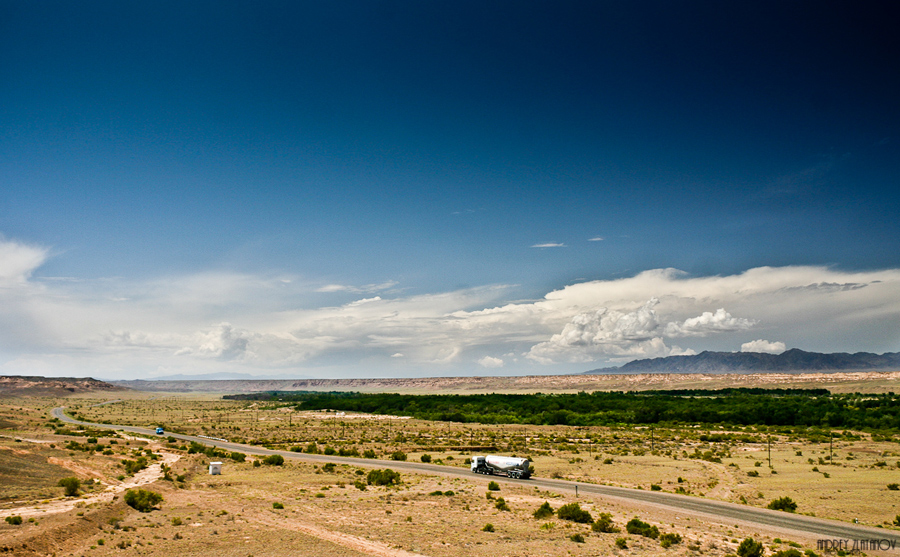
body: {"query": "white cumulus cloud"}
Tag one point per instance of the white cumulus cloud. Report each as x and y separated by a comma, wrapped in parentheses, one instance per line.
(763, 346)
(708, 323)
(18, 261)
(136, 328)
(490, 362)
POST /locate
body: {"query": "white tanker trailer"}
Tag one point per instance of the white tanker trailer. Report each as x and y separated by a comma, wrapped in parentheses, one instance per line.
(511, 466)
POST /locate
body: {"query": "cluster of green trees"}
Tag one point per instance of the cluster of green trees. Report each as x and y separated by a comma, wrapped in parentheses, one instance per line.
(742, 406)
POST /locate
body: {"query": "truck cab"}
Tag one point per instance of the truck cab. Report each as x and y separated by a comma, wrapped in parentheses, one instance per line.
(159, 431)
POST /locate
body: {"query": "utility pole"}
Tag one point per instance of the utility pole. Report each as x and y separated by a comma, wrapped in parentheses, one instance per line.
(769, 447)
(830, 447)
(651, 440)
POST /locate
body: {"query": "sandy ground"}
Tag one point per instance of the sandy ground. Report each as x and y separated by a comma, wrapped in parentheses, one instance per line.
(144, 477)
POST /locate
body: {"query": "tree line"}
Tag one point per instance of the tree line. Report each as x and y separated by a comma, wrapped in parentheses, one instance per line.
(738, 406)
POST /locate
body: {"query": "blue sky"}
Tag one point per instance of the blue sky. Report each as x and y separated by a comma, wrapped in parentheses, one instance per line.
(443, 188)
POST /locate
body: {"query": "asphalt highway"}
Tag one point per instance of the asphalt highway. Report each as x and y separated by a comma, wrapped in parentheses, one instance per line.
(815, 528)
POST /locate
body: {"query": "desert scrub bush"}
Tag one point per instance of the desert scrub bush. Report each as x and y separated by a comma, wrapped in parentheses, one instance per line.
(641, 528)
(328, 467)
(544, 511)
(488, 527)
(426, 458)
(238, 457)
(783, 504)
(655, 487)
(621, 543)
(753, 474)
(398, 455)
(134, 466)
(787, 553)
(142, 500)
(750, 548)
(493, 486)
(383, 477)
(893, 487)
(14, 520)
(669, 539)
(604, 524)
(501, 505)
(176, 521)
(577, 538)
(360, 485)
(276, 505)
(368, 453)
(274, 460)
(71, 485)
(575, 513)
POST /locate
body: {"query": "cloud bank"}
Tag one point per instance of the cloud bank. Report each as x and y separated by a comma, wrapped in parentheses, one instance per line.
(221, 321)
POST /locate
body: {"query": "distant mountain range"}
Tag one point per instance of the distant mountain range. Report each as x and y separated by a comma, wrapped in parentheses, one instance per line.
(757, 362)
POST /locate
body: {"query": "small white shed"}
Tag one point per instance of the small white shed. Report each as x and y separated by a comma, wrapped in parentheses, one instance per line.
(215, 468)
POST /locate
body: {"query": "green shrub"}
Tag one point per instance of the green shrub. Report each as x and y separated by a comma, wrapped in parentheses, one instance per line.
(575, 513)
(368, 453)
(383, 477)
(398, 455)
(604, 524)
(488, 527)
(237, 457)
(71, 485)
(544, 511)
(577, 538)
(783, 504)
(641, 528)
(277, 505)
(329, 450)
(669, 539)
(351, 451)
(621, 543)
(787, 553)
(312, 448)
(893, 487)
(750, 548)
(14, 520)
(501, 505)
(328, 467)
(358, 484)
(177, 521)
(426, 458)
(654, 487)
(274, 460)
(142, 500)
(493, 486)
(753, 474)
(134, 466)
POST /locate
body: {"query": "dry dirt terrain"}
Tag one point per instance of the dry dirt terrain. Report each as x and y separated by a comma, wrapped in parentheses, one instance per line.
(335, 511)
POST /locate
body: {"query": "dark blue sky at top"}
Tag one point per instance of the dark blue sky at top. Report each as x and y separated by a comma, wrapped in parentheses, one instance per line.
(434, 143)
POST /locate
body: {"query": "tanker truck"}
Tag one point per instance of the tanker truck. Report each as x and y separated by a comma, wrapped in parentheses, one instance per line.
(519, 468)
